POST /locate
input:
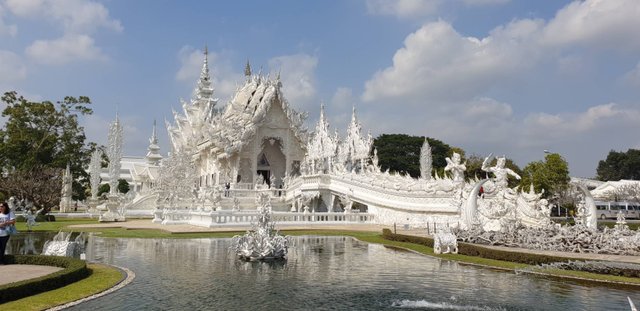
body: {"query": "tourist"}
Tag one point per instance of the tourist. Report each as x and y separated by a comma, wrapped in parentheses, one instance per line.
(7, 219)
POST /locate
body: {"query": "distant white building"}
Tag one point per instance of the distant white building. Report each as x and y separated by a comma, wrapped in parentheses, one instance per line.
(606, 191)
(140, 172)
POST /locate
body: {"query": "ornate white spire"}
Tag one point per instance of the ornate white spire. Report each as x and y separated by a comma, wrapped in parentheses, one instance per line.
(426, 161)
(199, 115)
(153, 156)
(355, 147)
(247, 70)
(202, 94)
(114, 153)
(322, 145)
(94, 170)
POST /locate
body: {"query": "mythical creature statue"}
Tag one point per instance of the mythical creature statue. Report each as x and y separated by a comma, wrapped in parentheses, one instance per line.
(500, 172)
(445, 242)
(456, 168)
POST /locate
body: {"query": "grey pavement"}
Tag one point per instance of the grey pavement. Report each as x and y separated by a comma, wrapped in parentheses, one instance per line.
(15, 273)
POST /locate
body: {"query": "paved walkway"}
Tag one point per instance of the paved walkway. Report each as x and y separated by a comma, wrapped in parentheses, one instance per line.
(15, 273)
(147, 224)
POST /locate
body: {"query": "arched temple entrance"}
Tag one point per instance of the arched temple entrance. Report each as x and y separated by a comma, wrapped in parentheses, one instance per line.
(271, 162)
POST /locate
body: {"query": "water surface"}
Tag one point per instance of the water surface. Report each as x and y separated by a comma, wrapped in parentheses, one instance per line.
(325, 273)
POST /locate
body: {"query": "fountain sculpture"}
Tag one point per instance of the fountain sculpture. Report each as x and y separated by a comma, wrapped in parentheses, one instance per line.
(262, 242)
(62, 246)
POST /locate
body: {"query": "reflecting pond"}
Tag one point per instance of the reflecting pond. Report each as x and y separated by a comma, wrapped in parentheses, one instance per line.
(326, 273)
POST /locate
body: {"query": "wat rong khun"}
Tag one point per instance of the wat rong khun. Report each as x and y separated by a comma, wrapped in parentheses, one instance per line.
(252, 163)
(223, 160)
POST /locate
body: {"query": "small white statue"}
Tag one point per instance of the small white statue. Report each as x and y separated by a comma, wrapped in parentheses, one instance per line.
(457, 169)
(445, 242)
(30, 216)
(500, 172)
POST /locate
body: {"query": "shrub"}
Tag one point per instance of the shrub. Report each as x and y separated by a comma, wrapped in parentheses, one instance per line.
(73, 271)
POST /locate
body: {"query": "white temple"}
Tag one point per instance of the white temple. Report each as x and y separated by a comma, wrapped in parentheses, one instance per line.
(223, 158)
(256, 137)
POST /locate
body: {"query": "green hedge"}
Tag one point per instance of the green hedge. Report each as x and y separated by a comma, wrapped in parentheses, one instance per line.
(387, 234)
(73, 271)
(479, 251)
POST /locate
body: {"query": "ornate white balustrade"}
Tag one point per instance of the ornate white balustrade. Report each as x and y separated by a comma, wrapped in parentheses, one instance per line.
(243, 218)
(371, 191)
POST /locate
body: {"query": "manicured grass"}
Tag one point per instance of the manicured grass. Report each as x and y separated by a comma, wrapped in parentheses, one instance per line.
(59, 224)
(102, 278)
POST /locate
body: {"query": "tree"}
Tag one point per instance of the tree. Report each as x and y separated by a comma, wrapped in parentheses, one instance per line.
(552, 175)
(41, 185)
(620, 165)
(401, 153)
(123, 186)
(41, 135)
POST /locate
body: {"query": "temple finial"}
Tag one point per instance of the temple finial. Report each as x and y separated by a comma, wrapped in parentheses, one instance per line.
(247, 69)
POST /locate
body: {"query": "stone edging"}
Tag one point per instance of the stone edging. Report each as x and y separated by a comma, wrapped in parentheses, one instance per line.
(129, 276)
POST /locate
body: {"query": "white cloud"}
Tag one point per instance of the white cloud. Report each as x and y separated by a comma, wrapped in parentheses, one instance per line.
(136, 132)
(403, 8)
(190, 64)
(419, 8)
(64, 50)
(633, 77)
(76, 16)
(343, 99)
(582, 122)
(225, 79)
(602, 24)
(13, 69)
(436, 62)
(298, 77)
(6, 30)
(484, 2)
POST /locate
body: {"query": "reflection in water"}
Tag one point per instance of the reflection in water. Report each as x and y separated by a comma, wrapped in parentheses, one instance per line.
(28, 243)
(325, 273)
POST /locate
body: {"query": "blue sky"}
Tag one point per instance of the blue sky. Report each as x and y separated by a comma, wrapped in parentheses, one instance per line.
(503, 76)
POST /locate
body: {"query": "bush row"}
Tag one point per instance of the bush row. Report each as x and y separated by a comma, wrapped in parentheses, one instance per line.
(73, 271)
(479, 251)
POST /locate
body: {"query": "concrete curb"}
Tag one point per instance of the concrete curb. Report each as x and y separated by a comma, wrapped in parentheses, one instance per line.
(128, 278)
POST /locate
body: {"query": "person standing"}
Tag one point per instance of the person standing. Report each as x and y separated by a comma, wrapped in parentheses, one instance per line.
(7, 218)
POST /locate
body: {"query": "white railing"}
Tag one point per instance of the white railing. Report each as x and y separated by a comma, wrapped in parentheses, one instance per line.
(244, 218)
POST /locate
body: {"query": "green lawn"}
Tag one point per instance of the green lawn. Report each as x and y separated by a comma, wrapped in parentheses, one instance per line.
(102, 278)
(59, 224)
